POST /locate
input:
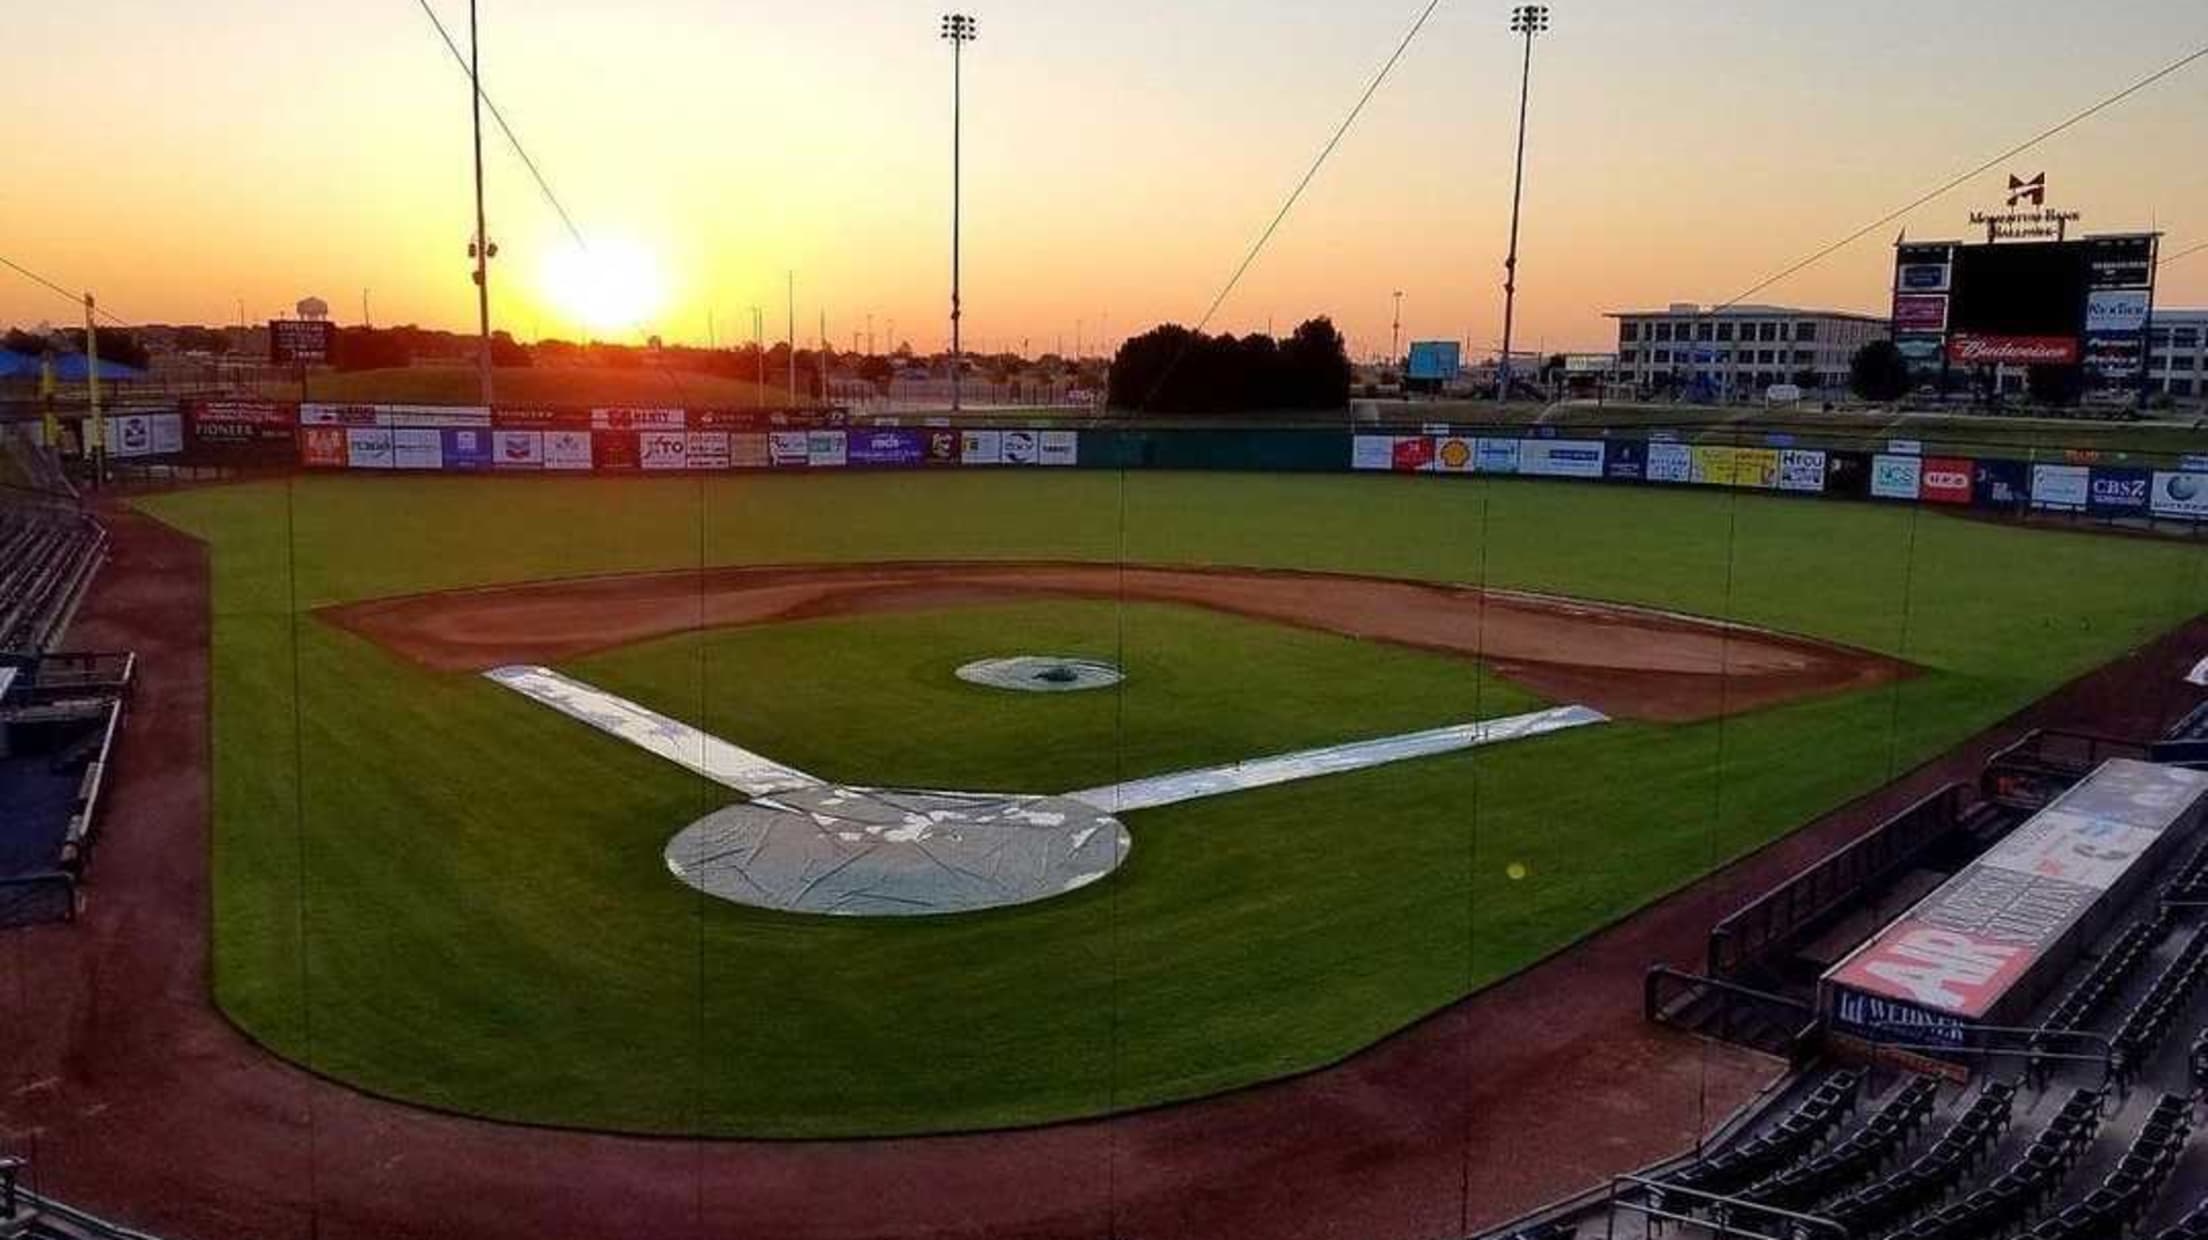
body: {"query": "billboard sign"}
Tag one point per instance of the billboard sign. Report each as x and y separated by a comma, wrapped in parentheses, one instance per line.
(615, 450)
(367, 447)
(1802, 470)
(1627, 461)
(342, 415)
(663, 450)
(627, 419)
(1496, 456)
(2121, 356)
(322, 447)
(2062, 488)
(708, 450)
(1561, 458)
(1973, 349)
(789, 449)
(2001, 484)
(1670, 462)
(1435, 361)
(981, 448)
(1059, 448)
(417, 447)
(2120, 492)
(749, 450)
(1412, 454)
(2181, 495)
(1923, 278)
(1455, 454)
(517, 449)
(1920, 312)
(826, 449)
(886, 449)
(2116, 311)
(301, 342)
(1896, 477)
(1946, 480)
(236, 421)
(569, 450)
(1372, 452)
(466, 449)
(1020, 448)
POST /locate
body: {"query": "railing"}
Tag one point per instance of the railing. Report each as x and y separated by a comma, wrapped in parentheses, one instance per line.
(1806, 903)
(1746, 1016)
(2040, 1048)
(1655, 1200)
(2044, 764)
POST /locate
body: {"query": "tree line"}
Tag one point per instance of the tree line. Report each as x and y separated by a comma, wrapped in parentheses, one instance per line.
(1171, 369)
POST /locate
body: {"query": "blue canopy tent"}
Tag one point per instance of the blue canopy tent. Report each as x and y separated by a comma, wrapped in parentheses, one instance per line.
(68, 368)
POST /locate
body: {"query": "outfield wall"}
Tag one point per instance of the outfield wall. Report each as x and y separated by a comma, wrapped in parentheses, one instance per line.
(662, 441)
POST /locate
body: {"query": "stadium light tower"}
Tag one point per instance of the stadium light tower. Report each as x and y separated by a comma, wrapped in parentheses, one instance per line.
(481, 249)
(1528, 20)
(959, 30)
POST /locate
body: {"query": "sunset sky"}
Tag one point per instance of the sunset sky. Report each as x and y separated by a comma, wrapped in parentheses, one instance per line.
(176, 158)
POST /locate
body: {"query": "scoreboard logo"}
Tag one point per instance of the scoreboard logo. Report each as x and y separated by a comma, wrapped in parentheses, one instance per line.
(2033, 191)
(1970, 349)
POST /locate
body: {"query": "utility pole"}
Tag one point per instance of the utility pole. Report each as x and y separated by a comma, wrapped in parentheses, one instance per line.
(482, 249)
(759, 355)
(1528, 20)
(960, 30)
(97, 444)
(1395, 333)
(792, 339)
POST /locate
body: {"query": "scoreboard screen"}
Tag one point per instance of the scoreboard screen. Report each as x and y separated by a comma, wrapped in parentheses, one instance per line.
(2035, 290)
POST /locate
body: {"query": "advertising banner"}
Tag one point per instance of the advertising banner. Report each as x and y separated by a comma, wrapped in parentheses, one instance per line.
(2120, 492)
(144, 434)
(1946, 480)
(887, 449)
(517, 449)
(234, 422)
(1670, 462)
(1756, 467)
(1455, 454)
(2116, 311)
(1921, 351)
(1896, 477)
(1802, 470)
(1413, 454)
(1713, 465)
(341, 415)
(1372, 452)
(1496, 456)
(1060, 448)
(467, 450)
(434, 415)
(367, 447)
(1971, 349)
(2064, 488)
(627, 419)
(789, 449)
(417, 447)
(540, 419)
(2117, 357)
(301, 341)
(2181, 495)
(570, 450)
(1021, 448)
(826, 449)
(708, 449)
(1848, 474)
(2001, 484)
(981, 448)
(1561, 458)
(748, 450)
(616, 451)
(1922, 277)
(322, 447)
(949, 448)
(1627, 461)
(663, 450)
(1435, 360)
(1920, 312)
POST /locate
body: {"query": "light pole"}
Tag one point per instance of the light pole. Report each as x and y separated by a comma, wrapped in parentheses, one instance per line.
(1528, 20)
(960, 30)
(481, 250)
(1395, 333)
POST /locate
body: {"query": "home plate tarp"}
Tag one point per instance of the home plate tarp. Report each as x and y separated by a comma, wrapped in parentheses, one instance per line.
(801, 844)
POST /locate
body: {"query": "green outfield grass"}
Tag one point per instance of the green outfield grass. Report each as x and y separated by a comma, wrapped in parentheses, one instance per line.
(488, 925)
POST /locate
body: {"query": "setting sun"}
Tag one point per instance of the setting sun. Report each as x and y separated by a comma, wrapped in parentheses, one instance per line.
(612, 286)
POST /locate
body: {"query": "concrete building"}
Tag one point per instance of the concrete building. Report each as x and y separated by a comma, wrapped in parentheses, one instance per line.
(2177, 356)
(1739, 351)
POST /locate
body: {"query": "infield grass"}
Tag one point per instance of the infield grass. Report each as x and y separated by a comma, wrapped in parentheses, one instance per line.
(488, 925)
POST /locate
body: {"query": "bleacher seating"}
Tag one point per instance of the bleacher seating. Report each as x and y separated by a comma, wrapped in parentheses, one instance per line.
(2149, 1019)
(2025, 1185)
(2113, 1208)
(1854, 1156)
(47, 557)
(1932, 1174)
(1786, 1141)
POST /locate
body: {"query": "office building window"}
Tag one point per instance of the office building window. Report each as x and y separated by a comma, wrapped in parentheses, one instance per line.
(1724, 331)
(1805, 332)
(1628, 332)
(2184, 363)
(1702, 330)
(1663, 331)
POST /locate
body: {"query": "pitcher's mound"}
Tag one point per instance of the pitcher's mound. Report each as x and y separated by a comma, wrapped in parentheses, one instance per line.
(1030, 673)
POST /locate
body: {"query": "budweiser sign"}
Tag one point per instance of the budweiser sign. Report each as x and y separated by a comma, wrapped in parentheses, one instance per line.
(1967, 349)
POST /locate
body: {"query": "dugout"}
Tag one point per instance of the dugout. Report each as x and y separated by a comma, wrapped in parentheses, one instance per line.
(1983, 950)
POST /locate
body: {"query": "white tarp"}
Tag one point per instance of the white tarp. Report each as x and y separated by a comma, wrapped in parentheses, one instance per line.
(725, 764)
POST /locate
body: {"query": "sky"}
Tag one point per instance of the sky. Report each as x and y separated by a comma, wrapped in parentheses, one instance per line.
(180, 160)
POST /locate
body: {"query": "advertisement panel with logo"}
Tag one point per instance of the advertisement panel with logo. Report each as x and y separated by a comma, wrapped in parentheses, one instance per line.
(570, 450)
(436, 415)
(417, 447)
(1496, 456)
(748, 450)
(949, 448)
(1455, 454)
(1021, 448)
(341, 415)
(1756, 467)
(1627, 460)
(540, 419)
(236, 422)
(2001, 484)
(1920, 312)
(1670, 462)
(663, 450)
(2183, 496)
(517, 449)
(367, 447)
(887, 449)
(2116, 311)
(1060, 448)
(789, 449)
(616, 451)
(1714, 465)
(2063, 488)
(1802, 470)
(981, 448)
(2120, 492)
(1848, 474)
(1974, 349)
(826, 449)
(627, 419)
(131, 434)
(1896, 477)
(1413, 454)
(708, 450)
(322, 447)
(1946, 480)
(2117, 357)
(1372, 452)
(1561, 458)
(467, 450)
